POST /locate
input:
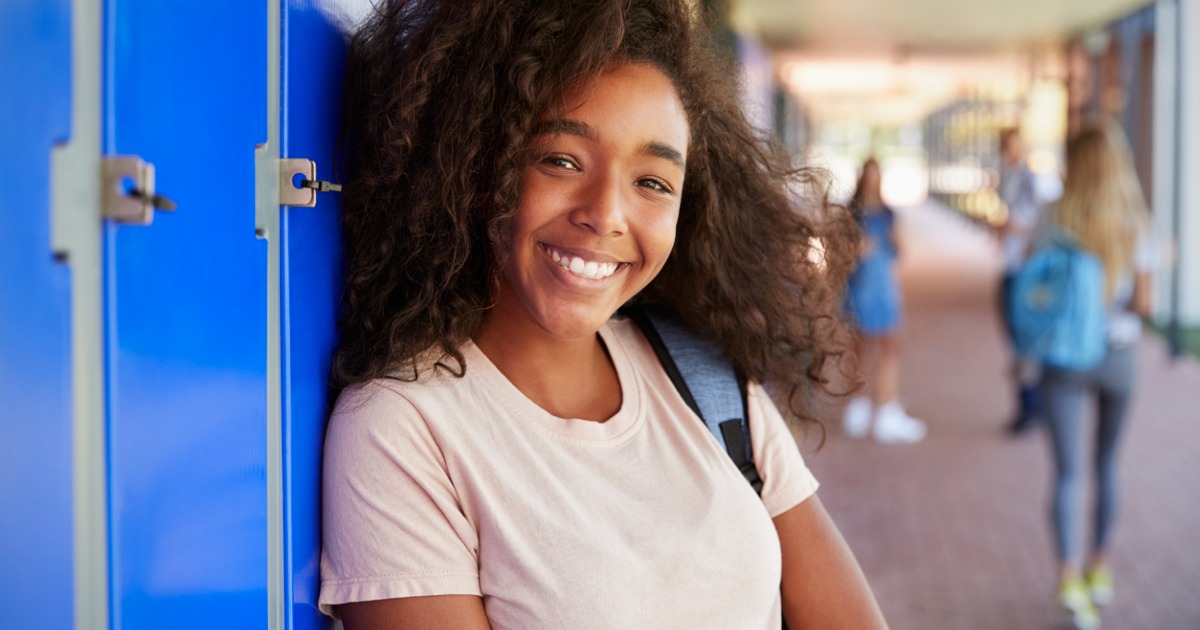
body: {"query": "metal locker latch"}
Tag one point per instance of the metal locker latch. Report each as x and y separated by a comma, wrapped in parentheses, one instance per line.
(129, 195)
(304, 196)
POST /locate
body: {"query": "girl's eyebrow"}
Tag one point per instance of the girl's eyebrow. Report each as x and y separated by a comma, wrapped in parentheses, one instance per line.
(556, 126)
(666, 152)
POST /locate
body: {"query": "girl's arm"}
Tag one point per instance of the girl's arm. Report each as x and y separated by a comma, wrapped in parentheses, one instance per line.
(1142, 301)
(823, 586)
(392, 525)
(893, 234)
(1145, 259)
(440, 612)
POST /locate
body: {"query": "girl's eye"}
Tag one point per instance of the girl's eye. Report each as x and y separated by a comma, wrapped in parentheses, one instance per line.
(655, 185)
(561, 161)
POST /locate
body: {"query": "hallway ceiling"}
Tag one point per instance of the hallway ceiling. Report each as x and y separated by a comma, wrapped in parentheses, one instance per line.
(893, 61)
(887, 26)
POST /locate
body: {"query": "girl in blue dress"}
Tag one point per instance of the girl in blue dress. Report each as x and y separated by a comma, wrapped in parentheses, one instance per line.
(873, 302)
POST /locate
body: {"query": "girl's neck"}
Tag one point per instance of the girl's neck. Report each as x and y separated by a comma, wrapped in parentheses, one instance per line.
(569, 378)
(870, 200)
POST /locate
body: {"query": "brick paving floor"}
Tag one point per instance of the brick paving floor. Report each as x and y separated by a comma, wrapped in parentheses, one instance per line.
(954, 532)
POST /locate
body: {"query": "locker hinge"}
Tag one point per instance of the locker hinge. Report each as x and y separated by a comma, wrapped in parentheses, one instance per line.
(129, 195)
(304, 195)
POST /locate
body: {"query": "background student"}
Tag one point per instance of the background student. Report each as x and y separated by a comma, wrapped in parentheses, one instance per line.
(1103, 208)
(875, 306)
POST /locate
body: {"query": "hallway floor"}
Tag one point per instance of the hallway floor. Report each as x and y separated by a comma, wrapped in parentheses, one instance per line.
(954, 532)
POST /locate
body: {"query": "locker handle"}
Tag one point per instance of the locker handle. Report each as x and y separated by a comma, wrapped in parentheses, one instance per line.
(304, 196)
(128, 195)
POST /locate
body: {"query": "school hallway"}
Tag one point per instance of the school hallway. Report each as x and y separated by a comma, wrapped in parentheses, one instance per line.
(954, 532)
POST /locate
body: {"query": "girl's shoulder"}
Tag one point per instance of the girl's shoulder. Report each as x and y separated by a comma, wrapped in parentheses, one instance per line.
(433, 375)
(877, 218)
(880, 212)
(628, 345)
(362, 403)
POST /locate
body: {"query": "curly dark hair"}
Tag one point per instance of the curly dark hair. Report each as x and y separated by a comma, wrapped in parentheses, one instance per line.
(440, 99)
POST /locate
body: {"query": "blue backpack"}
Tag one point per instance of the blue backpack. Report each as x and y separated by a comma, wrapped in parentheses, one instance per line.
(707, 382)
(1056, 306)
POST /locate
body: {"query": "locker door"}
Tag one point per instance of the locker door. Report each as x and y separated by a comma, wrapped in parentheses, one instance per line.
(186, 318)
(313, 59)
(35, 323)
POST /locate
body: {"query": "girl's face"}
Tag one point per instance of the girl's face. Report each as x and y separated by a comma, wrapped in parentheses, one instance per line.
(871, 178)
(599, 201)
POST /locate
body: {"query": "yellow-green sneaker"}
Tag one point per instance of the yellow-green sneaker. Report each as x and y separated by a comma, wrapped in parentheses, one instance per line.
(1074, 596)
(1100, 583)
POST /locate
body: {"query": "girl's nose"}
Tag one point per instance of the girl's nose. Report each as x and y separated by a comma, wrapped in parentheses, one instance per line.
(603, 208)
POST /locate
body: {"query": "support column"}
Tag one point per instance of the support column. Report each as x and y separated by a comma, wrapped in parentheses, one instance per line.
(1176, 154)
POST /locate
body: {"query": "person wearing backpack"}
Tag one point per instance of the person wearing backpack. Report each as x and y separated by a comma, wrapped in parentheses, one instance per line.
(1017, 188)
(505, 452)
(1103, 214)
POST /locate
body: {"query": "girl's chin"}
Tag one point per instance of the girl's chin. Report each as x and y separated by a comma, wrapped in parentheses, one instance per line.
(574, 322)
(575, 328)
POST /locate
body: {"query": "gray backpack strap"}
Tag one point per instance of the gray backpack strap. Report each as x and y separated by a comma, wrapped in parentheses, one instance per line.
(706, 381)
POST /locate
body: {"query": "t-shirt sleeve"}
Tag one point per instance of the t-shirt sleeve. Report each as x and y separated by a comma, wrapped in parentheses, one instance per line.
(393, 525)
(787, 481)
(1145, 253)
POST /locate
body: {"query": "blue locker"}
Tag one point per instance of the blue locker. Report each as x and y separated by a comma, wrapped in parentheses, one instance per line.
(185, 89)
(185, 321)
(313, 59)
(36, 435)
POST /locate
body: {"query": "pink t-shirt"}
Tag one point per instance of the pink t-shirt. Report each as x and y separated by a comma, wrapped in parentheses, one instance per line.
(465, 486)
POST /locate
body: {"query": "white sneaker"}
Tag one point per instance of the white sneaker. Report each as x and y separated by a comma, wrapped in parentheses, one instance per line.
(856, 418)
(892, 425)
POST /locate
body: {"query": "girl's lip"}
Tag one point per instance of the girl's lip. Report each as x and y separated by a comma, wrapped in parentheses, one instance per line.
(580, 277)
(586, 255)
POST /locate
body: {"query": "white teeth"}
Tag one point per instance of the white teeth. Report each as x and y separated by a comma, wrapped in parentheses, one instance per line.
(584, 268)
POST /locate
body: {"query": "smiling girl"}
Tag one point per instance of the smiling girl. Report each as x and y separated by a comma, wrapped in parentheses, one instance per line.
(507, 454)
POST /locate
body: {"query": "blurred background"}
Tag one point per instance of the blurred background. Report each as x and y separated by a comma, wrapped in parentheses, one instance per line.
(168, 289)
